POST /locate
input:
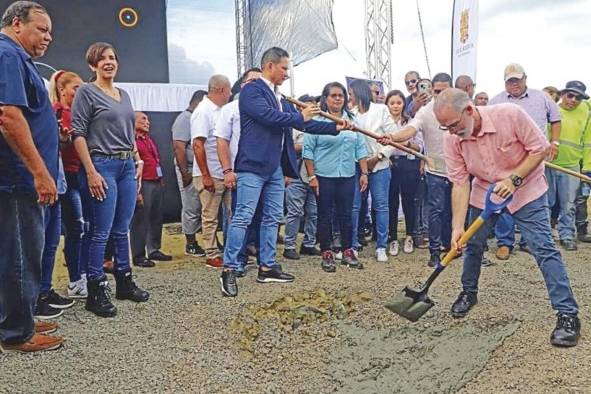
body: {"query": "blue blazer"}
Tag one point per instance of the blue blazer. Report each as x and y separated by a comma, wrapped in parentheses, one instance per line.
(263, 127)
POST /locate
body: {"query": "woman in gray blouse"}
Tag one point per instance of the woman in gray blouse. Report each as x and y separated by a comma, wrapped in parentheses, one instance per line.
(104, 136)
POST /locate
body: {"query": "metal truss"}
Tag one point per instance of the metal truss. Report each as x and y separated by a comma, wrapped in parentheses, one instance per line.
(243, 44)
(378, 39)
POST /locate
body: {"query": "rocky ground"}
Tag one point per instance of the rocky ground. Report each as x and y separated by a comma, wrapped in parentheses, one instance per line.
(322, 333)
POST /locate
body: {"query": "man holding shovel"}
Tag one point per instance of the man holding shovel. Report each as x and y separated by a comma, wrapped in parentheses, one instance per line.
(501, 144)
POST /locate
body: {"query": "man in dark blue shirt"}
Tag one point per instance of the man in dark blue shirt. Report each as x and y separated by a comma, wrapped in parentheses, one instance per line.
(29, 163)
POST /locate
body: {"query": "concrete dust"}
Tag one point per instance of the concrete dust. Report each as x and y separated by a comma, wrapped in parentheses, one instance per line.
(414, 359)
(290, 312)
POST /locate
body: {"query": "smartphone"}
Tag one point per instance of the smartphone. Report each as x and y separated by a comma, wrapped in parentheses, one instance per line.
(424, 86)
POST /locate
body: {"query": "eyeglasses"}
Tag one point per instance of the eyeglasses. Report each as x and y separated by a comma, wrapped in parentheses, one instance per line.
(513, 81)
(454, 125)
(336, 96)
(377, 92)
(571, 96)
(410, 82)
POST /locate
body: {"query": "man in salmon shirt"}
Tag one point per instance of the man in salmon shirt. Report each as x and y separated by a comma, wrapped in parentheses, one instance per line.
(501, 144)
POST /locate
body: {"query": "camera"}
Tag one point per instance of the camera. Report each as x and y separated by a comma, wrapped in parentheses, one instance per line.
(424, 86)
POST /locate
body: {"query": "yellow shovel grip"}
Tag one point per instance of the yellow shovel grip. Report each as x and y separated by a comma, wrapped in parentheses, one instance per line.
(469, 233)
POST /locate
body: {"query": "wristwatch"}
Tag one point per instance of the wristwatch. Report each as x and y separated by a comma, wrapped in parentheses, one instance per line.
(516, 180)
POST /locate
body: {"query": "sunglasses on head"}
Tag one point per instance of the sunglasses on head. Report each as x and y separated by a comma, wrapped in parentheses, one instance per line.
(410, 82)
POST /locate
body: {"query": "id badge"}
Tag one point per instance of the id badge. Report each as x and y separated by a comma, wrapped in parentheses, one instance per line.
(159, 171)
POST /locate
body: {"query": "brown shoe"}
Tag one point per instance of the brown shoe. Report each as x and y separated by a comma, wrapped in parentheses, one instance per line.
(45, 327)
(503, 253)
(37, 343)
(215, 263)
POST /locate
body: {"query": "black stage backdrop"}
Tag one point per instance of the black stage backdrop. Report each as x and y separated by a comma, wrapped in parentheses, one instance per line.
(136, 28)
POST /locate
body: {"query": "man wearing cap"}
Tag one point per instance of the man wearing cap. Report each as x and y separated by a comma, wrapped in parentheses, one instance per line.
(563, 187)
(542, 110)
(501, 145)
(584, 188)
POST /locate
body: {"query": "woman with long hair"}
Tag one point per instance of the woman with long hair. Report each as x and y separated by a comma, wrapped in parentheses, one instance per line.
(376, 118)
(405, 178)
(330, 166)
(103, 124)
(62, 89)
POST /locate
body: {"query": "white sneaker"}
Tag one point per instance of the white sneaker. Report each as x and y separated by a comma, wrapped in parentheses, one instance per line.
(78, 289)
(381, 255)
(394, 248)
(409, 245)
(356, 253)
(338, 255)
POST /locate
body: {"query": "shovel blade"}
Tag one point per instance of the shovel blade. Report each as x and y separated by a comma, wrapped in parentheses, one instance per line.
(411, 304)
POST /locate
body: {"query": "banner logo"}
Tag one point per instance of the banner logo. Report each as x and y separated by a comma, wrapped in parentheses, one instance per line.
(464, 26)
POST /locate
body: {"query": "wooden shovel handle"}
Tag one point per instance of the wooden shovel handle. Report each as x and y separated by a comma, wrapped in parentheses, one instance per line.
(582, 177)
(469, 233)
(368, 133)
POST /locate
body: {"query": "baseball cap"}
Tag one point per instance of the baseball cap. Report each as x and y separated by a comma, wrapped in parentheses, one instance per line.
(514, 70)
(577, 87)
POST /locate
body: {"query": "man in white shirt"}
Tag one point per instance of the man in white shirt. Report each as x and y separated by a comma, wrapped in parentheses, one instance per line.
(227, 133)
(438, 186)
(207, 170)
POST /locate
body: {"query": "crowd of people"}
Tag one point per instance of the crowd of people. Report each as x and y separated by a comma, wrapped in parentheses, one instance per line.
(247, 160)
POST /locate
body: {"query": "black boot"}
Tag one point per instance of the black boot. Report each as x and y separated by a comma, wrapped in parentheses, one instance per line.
(99, 299)
(127, 289)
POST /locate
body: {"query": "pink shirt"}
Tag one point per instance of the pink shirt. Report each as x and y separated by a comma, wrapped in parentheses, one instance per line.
(508, 135)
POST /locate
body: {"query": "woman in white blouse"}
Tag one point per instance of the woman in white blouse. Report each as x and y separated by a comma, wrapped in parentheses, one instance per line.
(376, 118)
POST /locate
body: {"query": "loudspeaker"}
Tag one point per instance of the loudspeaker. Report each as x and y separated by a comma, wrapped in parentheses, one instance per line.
(136, 28)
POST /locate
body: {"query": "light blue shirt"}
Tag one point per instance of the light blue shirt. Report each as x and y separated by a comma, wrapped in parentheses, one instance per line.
(335, 156)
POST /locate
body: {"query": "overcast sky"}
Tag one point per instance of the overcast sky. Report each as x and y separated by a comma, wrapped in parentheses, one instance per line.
(548, 37)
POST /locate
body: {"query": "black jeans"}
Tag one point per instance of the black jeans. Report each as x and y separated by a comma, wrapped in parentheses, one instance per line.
(439, 206)
(22, 237)
(337, 193)
(403, 186)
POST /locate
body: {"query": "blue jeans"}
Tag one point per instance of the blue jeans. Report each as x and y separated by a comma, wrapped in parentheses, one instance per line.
(300, 200)
(253, 230)
(52, 221)
(21, 244)
(379, 187)
(71, 204)
(563, 187)
(439, 208)
(250, 189)
(533, 220)
(112, 216)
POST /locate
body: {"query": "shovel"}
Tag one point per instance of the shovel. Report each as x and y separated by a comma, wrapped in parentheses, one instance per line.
(412, 304)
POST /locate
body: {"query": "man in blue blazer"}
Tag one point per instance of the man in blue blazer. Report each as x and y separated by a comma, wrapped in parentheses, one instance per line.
(265, 155)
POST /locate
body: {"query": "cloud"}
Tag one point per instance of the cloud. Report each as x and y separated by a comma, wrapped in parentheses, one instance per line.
(186, 70)
(503, 7)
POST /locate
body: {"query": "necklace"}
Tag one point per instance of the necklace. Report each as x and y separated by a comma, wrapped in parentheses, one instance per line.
(109, 91)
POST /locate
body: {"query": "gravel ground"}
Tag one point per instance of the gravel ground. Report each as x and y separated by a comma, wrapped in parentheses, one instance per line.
(322, 333)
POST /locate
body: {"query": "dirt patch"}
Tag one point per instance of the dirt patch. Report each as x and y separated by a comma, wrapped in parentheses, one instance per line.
(414, 359)
(289, 313)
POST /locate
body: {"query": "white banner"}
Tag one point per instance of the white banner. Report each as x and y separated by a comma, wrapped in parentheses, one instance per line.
(464, 35)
